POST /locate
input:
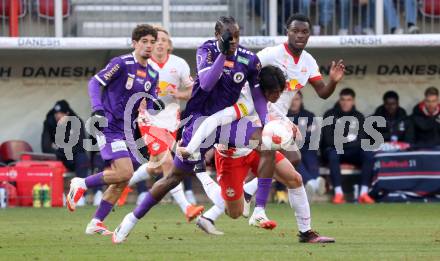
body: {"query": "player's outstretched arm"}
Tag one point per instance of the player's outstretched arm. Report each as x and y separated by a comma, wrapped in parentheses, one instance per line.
(95, 94)
(336, 74)
(209, 75)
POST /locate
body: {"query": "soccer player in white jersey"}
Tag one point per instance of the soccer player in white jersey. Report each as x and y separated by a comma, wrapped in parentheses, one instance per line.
(159, 130)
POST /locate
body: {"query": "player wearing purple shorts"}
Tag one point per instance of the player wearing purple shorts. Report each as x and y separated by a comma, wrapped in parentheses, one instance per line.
(125, 81)
(223, 67)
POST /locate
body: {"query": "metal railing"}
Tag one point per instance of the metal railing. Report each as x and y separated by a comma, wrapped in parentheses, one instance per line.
(116, 18)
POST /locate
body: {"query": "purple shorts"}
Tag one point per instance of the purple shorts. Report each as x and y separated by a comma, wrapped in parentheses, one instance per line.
(116, 147)
(237, 134)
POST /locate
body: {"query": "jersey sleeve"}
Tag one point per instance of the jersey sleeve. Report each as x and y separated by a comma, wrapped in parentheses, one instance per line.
(260, 102)
(185, 75)
(205, 58)
(315, 74)
(266, 56)
(112, 71)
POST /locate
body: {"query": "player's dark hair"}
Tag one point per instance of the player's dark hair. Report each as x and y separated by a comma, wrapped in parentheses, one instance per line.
(272, 78)
(299, 93)
(431, 91)
(347, 92)
(298, 17)
(143, 30)
(390, 95)
(222, 21)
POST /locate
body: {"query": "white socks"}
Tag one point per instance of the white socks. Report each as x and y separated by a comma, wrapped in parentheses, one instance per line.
(298, 202)
(214, 213)
(251, 187)
(179, 197)
(212, 189)
(364, 189)
(338, 190)
(139, 175)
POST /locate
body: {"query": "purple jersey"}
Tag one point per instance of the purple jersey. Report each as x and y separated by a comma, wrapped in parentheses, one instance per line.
(239, 68)
(122, 78)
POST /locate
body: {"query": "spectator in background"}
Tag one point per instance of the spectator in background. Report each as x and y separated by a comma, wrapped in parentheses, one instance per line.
(352, 150)
(393, 18)
(80, 163)
(309, 165)
(397, 123)
(367, 13)
(325, 9)
(426, 120)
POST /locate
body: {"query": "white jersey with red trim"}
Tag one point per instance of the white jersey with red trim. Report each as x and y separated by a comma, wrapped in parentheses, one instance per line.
(297, 70)
(174, 74)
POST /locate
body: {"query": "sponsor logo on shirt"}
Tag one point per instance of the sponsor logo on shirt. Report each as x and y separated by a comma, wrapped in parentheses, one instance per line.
(141, 74)
(147, 86)
(229, 64)
(129, 83)
(152, 74)
(112, 71)
(294, 85)
(242, 60)
(238, 77)
(140, 80)
(165, 88)
(118, 146)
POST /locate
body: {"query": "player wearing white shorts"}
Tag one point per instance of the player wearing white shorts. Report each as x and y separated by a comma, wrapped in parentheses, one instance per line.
(159, 130)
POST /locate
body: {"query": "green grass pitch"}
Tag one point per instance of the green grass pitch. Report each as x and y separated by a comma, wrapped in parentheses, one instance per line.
(376, 232)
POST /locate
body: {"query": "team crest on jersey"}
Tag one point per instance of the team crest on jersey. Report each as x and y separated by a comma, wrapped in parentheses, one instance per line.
(230, 192)
(147, 86)
(129, 83)
(238, 77)
(155, 146)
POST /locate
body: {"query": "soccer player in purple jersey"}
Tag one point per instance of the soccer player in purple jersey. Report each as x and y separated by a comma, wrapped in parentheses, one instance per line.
(123, 77)
(223, 67)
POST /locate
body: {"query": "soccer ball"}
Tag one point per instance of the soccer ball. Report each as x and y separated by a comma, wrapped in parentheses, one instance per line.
(277, 134)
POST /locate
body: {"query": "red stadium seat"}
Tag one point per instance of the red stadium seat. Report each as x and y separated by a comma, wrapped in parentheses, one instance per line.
(5, 7)
(11, 150)
(430, 8)
(46, 8)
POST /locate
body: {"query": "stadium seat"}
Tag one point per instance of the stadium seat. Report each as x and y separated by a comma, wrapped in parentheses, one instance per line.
(11, 150)
(46, 8)
(430, 8)
(5, 7)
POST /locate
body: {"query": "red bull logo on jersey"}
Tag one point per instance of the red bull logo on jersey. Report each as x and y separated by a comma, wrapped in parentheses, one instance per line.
(294, 85)
(164, 88)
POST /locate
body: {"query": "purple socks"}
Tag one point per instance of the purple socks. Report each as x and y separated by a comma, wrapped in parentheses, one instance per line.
(264, 185)
(95, 180)
(103, 210)
(145, 206)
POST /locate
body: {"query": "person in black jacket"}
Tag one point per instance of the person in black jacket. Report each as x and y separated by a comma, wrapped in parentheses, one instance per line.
(80, 162)
(426, 120)
(309, 165)
(352, 150)
(398, 126)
